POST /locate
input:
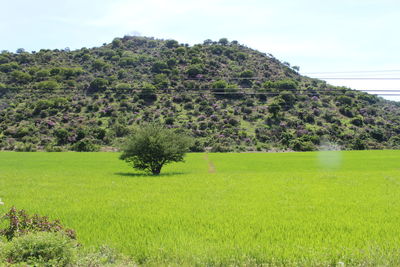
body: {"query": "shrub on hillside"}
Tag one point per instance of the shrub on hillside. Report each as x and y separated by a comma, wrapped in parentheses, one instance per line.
(8, 67)
(301, 144)
(194, 70)
(98, 84)
(394, 142)
(123, 86)
(358, 144)
(24, 147)
(171, 43)
(344, 100)
(357, 121)
(85, 145)
(288, 97)
(246, 77)
(47, 85)
(148, 92)
(61, 135)
(53, 148)
(274, 109)
(21, 77)
(219, 148)
(99, 64)
(159, 67)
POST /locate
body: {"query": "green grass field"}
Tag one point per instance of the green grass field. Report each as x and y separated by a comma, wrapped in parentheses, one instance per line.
(220, 209)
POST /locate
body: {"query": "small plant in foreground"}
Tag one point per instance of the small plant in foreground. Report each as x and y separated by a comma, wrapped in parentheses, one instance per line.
(20, 223)
(40, 249)
(151, 146)
(103, 256)
(35, 241)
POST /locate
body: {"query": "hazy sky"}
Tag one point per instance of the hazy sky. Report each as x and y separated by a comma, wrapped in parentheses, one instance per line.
(318, 36)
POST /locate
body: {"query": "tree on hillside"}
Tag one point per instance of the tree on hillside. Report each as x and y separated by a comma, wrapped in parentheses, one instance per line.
(274, 109)
(152, 146)
(223, 41)
(98, 84)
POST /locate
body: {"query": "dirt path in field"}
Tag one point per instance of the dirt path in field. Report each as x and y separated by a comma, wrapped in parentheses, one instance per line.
(211, 166)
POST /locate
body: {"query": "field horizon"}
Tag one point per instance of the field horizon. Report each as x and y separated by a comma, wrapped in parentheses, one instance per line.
(301, 208)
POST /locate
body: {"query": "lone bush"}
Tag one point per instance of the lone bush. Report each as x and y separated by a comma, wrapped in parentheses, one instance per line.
(40, 249)
(151, 146)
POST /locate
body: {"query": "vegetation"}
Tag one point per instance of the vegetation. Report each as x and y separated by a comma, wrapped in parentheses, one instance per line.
(152, 146)
(34, 241)
(20, 223)
(40, 249)
(308, 209)
(226, 95)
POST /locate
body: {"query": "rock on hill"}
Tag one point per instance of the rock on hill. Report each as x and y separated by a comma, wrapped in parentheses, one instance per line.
(228, 96)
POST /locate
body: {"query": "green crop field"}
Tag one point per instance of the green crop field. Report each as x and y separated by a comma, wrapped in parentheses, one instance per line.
(220, 209)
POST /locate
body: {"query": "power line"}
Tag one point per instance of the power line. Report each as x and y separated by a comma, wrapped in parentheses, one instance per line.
(226, 78)
(237, 91)
(361, 71)
(359, 78)
(341, 78)
(214, 90)
(266, 79)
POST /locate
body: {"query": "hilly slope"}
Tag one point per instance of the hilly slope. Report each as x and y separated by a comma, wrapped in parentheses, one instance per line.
(226, 95)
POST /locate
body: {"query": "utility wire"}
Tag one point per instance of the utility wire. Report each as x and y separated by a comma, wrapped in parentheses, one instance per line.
(241, 92)
(354, 71)
(359, 78)
(266, 79)
(215, 90)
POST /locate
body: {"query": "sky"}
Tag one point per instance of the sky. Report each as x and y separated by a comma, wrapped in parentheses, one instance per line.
(332, 36)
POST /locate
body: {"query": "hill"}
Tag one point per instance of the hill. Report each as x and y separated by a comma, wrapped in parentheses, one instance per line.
(228, 96)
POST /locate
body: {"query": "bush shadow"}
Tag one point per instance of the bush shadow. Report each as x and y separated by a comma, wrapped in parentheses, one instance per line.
(147, 175)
